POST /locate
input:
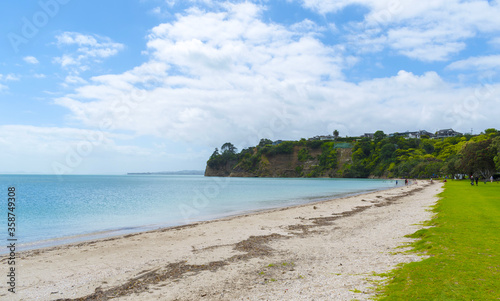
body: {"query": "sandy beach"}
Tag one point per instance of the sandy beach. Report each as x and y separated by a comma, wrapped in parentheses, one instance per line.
(323, 251)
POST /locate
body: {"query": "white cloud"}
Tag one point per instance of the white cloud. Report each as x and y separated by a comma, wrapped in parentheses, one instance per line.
(9, 77)
(39, 75)
(425, 45)
(218, 69)
(31, 60)
(156, 10)
(89, 48)
(72, 79)
(477, 63)
(495, 42)
(65, 60)
(427, 30)
(377, 6)
(324, 7)
(12, 77)
(214, 77)
(308, 26)
(202, 43)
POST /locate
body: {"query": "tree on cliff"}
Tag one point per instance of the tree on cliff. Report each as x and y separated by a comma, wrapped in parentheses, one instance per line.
(215, 153)
(336, 134)
(264, 142)
(228, 148)
(215, 159)
(218, 160)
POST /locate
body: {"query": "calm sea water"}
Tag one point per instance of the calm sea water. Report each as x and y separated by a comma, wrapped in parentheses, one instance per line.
(53, 210)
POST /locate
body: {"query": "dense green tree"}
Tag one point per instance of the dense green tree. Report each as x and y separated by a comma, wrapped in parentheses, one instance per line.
(496, 144)
(427, 146)
(412, 143)
(218, 160)
(265, 142)
(366, 147)
(356, 170)
(285, 147)
(314, 144)
(328, 157)
(490, 131)
(379, 135)
(387, 151)
(478, 158)
(245, 153)
(452, 167)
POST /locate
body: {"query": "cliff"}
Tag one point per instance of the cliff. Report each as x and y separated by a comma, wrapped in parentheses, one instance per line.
(301, 161)
(378, 157)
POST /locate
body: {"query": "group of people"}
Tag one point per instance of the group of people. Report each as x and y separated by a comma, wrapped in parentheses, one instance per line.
(472, 178)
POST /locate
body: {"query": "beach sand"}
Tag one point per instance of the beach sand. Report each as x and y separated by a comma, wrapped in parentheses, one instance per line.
(323, 251)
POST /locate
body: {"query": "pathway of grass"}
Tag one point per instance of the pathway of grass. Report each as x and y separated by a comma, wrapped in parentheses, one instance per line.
(464, 245)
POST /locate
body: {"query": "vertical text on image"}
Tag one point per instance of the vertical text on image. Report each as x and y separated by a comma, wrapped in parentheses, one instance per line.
(11, 240)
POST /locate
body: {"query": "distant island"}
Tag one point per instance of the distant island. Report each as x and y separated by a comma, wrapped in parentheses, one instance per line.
(418, 154)
(178, 173)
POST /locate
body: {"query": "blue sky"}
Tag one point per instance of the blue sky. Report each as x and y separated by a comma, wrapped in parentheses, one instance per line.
(149, 85)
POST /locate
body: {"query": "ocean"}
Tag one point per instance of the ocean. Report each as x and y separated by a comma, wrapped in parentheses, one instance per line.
(52, 210)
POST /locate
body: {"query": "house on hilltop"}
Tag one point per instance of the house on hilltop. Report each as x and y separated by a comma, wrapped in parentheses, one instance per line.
(419, 134)
(323, 138)
(446, 133)
(414, 134)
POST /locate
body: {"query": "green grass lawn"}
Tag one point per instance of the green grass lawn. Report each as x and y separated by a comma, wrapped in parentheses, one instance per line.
(464, 246)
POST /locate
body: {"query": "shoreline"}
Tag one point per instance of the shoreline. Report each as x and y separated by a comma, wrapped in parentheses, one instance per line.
(189, 261)
(116, 233)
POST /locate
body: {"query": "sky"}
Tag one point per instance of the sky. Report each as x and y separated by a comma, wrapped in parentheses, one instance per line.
(106, 87)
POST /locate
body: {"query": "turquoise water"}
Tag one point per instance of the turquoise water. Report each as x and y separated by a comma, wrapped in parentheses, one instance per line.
(52, 210)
